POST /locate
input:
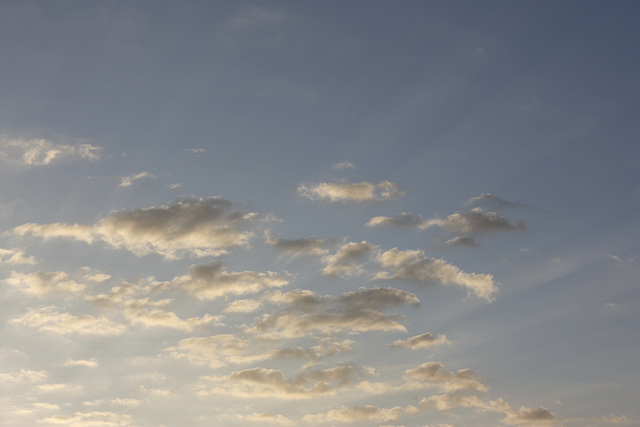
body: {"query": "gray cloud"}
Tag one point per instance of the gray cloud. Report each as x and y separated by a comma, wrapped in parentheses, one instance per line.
(197, 227)
(461, 241)
(344, 165)
(474, 221)
(211, 281)
(352, 192)
(413, 265)
(425, 340)
(299, 247)
(345, 261)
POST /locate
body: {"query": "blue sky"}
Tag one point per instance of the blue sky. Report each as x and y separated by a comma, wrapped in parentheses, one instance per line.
(319, 213)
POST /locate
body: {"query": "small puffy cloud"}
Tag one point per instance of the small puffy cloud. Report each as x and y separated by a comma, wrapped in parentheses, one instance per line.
(531, 416)
(41, 283)
(475, 221)
(174, 186)
(193, 226)
(461, 242)
(352, 414)
(150, 317)
(48, 319)
(425, 340)
(493, 200)
(211, 281)
(91, 363)
(41, 152)
(403, 219)
(344, 165)
(126, 401)
(352, 192)
(15, 256)
(345, 261)
(243, 306)
(415, 266)
(127, 181)
(299, 247)
(432, 374)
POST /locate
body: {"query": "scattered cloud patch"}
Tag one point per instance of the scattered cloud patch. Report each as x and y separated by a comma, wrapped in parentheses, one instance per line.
(351, 192)
(344, 165)
(49, 319)
(299, 247)
(127, 181)
(461, 242)
(413, 265)
(431, 374)
(345, 262)
(41, 152)
(425, 340)
(15, 256)
(193, 226)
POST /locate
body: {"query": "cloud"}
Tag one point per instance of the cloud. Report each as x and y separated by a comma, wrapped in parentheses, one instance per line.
(41, 152)
(531, 416)
(211, 281)
(488, 199)
(48, 319)
(425, 340)
(15, 256)
(612, 419)
(461, 242)
(352, 192)
(243, 306)
(305, 313)
(432, 374)
(91, 363)
(41, 283)
(351, 414)
(127, 181)
(141, 313)
(90, 419)
(22, 376)
(214, 351)
(268, 417)
(474, 221)
(197, 151)
(413, 265)
(193, 226)
(344, 165)
(344, 261)
(272, 383)
(299, 247)
(403, 219)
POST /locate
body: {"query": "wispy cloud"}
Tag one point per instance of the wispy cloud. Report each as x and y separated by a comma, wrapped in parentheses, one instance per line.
(351, 192)
(425, 340)
(345, 261)
(344, 165)
(49, 319)
(474, 221)
(127, 181)
(41, 152)
(312, 246)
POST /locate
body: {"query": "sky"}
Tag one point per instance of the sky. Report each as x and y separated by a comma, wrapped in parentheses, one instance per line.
(362, 213)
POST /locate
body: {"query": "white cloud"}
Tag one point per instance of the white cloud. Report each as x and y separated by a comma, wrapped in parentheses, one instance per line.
(243, 306)
(214, 351)
(22, 376)
(41, 283)
(345, 261)
(344, 165)
(353, 192)
(15, 256)
(48, 319)
(197, 227)
(425, 340)
(40, 152)
(91, 363)
(127, 181)
(491, 199)
(415, 266)
(431, 374)
(90, 419)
